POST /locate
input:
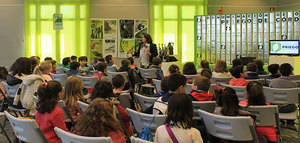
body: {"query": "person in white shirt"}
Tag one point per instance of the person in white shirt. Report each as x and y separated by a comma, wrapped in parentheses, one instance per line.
(221, 70)
(178, 122)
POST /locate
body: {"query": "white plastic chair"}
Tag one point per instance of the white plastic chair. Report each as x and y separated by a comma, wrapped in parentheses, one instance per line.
(190, 77)
(113, 74)
(239, 90)
(265, 115)
(2, 127)
(208, 106)
(188, 88)
(26, 130)
(111, 69)
(263, 76)
(157, 84)
(83, 106)
(89, 82)
(229, 128)
(221, 80)
(125, 100)
(283, 96)
(60, 70)
(145, 101)
(142, 120)
(138, 140)
(11, 90)
(295, 77)
(67, 137)
(148, 73)
(61, 78)
(262, 81)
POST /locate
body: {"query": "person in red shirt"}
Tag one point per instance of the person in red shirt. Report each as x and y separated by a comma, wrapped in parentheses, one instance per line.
(200, 89)
(239, 77)
(132, 65)
(102, 70)
(255, 97)
(100, 120)
(48, 115)
(53, 62)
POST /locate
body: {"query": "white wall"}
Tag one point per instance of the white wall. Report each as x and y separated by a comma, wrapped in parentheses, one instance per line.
(288, 5)
(11, 31)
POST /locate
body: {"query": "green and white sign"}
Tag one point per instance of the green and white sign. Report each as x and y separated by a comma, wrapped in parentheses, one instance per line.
(57, 21)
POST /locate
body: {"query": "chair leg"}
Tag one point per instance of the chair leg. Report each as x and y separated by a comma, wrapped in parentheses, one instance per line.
(4, 132)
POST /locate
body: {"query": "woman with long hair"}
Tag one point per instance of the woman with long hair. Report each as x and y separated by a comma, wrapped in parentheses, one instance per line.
(147, 50)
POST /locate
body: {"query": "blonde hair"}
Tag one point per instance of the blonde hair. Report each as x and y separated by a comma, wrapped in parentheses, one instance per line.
(73, 91)
(221, 67)
(39, 70)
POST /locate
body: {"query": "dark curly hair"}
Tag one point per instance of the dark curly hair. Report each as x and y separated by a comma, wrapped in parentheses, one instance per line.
(189, 69)
(286, 69)
(230, 102)
(21, 66)
(103, 89)
(255, 93)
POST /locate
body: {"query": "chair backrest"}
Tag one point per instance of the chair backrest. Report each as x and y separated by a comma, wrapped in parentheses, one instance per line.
(145, 101)
(89, 82)
(148, 73)
(60, 70)
(83, 106)
(125, 100)
(263, 76)
(61, 78)
(138, 140)
(295, 77)
(113, 74)
(282, 95)
(190, 77)
(262, 81)
(11, 90)
(208, 106)
(239, 90)
(188, 88)
(265, 115)
(228, 127)
(26, 129)
(67, 137)
(142, 120)
(111, 69)
(221, 80)
(157, 84)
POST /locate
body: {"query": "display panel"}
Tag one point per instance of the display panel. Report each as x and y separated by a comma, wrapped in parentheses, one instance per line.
(284, 47)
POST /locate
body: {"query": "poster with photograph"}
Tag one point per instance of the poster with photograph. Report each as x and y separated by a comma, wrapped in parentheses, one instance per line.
(110, 29)
(272, 26)
(140, 27)
(126, 45)
(238, 35)
(199, 38)
(260, 35)
(96, 48)
(110, 47)
(126, 29)
(278, 26)
(283, 26)
(96, 29)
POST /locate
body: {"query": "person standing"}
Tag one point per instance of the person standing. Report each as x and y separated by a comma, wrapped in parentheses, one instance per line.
(147, 50)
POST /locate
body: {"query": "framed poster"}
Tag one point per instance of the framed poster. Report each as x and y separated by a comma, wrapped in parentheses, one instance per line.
(126, 29)
(238, 35)
(110, 37)
(227, 44)
(249, 35)
(208, 36)
(218, 37)
(284, 26)
(223, 32)
(290, 25)
(213, 39)
(233, 37)
(96, 29)
(266, 38)
(254, 33)
(140, 27)
(203, 56)
(126, 45)
(96, 48)
(110, 29)
(278, 26)
(296, 25)
(260, 36)
(272, 26)
(244, 36)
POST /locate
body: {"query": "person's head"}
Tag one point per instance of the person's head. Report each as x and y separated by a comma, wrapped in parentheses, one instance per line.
(204, 64)
(173, 69)
(252, 67)
(109, 59)
(125, 63)
(236, 62)
(98, 120)
(286, 69)
(75, 66)
(131, 60)
(118, 82)
(101, 60)
(48, 94)
(73, 59)
(21, 66)
(3, 73)
(180, 111)
(238, 72)
(207, 73)
(230, 102)
(48, 59)
(73, 90)
(44, 68)
(156, 61)
(146, 38)
(177, 83)
(102, 67)
(83, 61)
(255, 93)
(66, 61)
(103, 89)
(273, 69)
(221, 67)
(53, 62)
(164, 84)
(35, 61)
(189, 69)
(201, 83)
(260, 65)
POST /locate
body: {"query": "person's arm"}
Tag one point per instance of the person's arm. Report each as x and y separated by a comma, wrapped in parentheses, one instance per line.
(153, 50)
(58, 119)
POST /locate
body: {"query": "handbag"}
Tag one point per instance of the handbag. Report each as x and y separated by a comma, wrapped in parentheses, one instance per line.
(171, 134)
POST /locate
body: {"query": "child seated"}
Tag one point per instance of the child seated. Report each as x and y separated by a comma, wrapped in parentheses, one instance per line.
(53, 70)
(173, 69)
(189, 69)
(274, 70)
(164, 88)
(118, 83)
(200, 89)
(125, 66)
(239, 77)
(156, 64)
(111, 63)
(83, 64)
(102, 71)
(252, 71)
(203, 65)
(74, 69)
(44, 70)
(66, 62)
(132, 65)
(260, 67)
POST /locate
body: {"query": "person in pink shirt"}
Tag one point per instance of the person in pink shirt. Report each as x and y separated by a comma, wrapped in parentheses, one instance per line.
(48, 115)
(99, 120)
(255, 97)
(239, 77)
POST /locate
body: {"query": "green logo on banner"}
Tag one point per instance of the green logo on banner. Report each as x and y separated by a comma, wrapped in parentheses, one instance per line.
(275, 47)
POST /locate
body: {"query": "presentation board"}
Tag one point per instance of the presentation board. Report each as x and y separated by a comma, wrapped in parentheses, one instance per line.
(231, 36)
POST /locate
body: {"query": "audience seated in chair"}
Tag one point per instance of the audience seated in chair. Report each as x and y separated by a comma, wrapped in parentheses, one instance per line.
(74, 69)
(118, 83)
(164, 88)
(200, 89)
(252, 71)
(44, 70)
(83, 68)
(156, 64)
(204, 64)
(53, 70)
(3, 92)
(20, 69)
(66, 62)
(173, 69)
(132, 65)
(221, 70)
(111, 62)
(260, 67)
(239, 77)
(189, 69)
(235, 63)
(102, 71)
(274, 70)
